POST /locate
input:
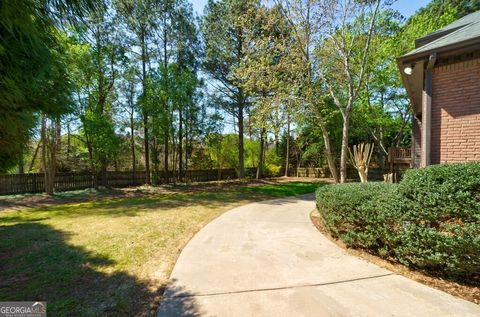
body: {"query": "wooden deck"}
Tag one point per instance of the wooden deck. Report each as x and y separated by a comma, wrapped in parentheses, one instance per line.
(399, 156)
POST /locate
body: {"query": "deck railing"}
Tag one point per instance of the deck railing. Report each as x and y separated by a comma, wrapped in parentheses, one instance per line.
(399, 155)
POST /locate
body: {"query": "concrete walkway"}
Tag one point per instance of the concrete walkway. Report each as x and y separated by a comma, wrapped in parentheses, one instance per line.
(267, 259)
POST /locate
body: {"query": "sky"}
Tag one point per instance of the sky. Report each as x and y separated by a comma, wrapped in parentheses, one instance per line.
(406, 7)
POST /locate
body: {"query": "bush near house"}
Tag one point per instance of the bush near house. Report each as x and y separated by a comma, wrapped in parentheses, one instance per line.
(430, 220)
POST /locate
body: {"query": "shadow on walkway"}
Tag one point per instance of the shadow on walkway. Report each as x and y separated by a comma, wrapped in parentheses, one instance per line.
(177, 301)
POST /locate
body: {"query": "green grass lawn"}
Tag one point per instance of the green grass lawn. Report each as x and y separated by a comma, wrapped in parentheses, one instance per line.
(111, 256)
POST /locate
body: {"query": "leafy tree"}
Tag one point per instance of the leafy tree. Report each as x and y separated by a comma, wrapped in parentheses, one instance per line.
(263, 72)
(440, 8)
(96, 52)
(224, 37)
(28, 49)
(342, 57)
(309, 97)
(129, 102)
(139, 19)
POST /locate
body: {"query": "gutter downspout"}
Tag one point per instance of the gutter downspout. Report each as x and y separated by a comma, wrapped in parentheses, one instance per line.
(427, 111)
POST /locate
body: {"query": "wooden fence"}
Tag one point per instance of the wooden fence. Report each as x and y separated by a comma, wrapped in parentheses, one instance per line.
(35, 182)
(324, 172)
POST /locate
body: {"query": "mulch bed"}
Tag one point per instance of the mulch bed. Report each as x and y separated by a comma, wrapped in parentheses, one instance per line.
(458, 289)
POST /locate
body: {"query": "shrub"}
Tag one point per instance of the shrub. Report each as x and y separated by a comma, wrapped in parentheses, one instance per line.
(442, 210)
(272, 170)
(430, 220)
(347, 213)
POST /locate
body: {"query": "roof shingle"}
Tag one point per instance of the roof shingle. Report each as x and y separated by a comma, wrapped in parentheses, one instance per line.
(464, 29)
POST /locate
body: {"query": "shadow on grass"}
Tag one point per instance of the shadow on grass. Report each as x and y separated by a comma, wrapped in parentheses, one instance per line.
(131, 206)
(36, 263)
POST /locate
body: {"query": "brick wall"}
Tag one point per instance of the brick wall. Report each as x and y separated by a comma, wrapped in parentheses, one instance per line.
(455, 135)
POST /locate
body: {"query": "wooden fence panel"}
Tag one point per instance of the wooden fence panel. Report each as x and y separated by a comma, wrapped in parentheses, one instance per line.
(125, 179)
(373, 173)
(73, 181)
(35, 182)
(21, 183)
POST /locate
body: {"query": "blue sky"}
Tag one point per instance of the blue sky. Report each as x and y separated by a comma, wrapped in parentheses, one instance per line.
(406, 7)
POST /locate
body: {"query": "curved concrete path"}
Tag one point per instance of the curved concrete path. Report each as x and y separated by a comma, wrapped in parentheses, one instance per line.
(267, 259)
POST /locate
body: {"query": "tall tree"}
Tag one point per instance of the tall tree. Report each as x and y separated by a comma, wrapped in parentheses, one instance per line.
(139, 17)
(264, 73)
(342, 54)
(97, 113)
(130, 105)
(306, 19)
(187, 48)
(224, 38)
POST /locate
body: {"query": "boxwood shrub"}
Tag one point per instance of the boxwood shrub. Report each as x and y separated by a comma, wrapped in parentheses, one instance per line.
(430, 220)
(348, 215)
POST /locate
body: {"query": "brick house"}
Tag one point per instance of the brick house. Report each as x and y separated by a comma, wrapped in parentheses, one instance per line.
(442, 78)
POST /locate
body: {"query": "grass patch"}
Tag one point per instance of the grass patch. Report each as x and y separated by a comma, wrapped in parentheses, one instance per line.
(110, 256)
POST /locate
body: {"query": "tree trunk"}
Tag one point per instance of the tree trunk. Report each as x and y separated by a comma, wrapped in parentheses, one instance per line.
(104, 171)
(132, 143)
(166, 128)
(165, 158)
(180, 146)
(48, 157)
(344, 152)
(146, 147)
(145, 114)
(51, 167)
(287, 156)
(92, 163)
(58, 137)
(174, 157)
(381, 153)
(328, 150)
(261, 154)
(34, 155)
(44, 152)
(69, 143)
(156, 161)
(21, 163)
(241, 156)
(187, 143)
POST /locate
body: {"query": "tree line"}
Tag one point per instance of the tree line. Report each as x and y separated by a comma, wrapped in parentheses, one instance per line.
(150, 85)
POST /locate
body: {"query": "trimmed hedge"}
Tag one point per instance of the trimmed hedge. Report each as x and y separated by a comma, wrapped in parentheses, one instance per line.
(430, 220)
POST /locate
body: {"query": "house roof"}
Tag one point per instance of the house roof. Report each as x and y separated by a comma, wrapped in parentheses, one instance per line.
(461, 36)
(462, 32)
(466, 20)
